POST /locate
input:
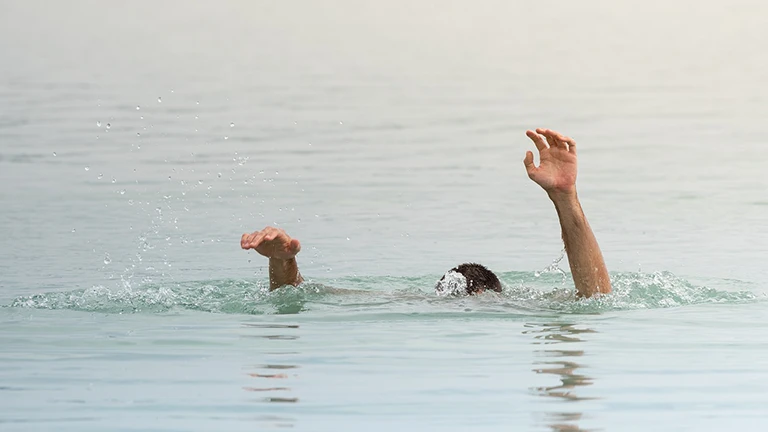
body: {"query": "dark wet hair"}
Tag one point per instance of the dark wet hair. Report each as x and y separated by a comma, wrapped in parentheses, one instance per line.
(478, 277)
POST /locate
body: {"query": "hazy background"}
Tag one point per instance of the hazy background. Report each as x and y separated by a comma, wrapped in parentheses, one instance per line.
(398, 125)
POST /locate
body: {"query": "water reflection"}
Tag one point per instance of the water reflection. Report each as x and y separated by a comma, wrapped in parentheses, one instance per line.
(272, 380)
(554, 359)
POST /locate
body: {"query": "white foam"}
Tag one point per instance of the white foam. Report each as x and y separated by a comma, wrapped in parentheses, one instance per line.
(452, 284)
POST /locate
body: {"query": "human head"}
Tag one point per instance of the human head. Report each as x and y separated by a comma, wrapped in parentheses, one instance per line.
(468, 278)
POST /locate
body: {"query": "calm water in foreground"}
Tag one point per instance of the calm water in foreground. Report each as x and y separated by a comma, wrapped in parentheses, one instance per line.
(139, 141)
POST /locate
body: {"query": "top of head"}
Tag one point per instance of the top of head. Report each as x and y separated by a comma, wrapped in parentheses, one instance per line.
(468, 278)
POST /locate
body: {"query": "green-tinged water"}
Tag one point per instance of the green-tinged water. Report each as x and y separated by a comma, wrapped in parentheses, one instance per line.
(138, 141)
(524, 294)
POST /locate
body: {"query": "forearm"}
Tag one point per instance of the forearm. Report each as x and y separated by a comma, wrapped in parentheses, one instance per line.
(584, 256)
(283, 272)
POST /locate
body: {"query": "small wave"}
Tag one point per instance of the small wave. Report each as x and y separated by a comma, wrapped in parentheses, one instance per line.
(631, 291)
(218, 296)
(524, 293)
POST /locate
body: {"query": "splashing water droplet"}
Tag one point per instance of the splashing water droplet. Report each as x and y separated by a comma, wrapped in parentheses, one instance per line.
(109, 125)
(219, 175)
(159, 100)
(122, 192)
(54, 154)
(87, 168)
(138, 107)
(341, 123)
(226, 137)
(101, 176)
(107, 259)
(114, 180)
(98, 123)
(231, 125)
(347, 238)
(138, 134)
(199, 182)
(74, 230)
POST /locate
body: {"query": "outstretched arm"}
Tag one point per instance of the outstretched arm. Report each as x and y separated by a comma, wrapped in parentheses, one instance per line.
(556, 174)
(281, 249)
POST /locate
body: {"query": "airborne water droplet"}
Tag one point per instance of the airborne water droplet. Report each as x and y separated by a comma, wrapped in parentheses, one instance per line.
(114, 180)
(101, 176)
(54, 154)
(122, 192)
(138, 107)
(159, 100)
(231, 125)
(107, 259)
(109, 125)
(219, 175)
(98, 123)
(226, 137)
(87, 168)
(74, 230)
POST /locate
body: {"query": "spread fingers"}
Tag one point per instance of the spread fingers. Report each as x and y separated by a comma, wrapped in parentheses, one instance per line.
(537, 139)
(571, 144)
(552, 138)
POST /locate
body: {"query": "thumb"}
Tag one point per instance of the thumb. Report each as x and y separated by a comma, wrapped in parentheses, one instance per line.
(528, 162)
(295, 246)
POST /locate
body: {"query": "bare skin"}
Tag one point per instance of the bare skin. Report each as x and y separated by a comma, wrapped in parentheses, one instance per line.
(281, 249)
(556, 174)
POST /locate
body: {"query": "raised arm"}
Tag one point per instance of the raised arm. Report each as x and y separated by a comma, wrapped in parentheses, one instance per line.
(281, 249)
(556, 174)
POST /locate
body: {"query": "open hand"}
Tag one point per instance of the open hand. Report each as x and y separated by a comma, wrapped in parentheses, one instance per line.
(272, 243)
(557, 169)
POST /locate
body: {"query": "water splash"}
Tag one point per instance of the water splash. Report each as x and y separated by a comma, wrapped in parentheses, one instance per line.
(524, 293)
(554, 267)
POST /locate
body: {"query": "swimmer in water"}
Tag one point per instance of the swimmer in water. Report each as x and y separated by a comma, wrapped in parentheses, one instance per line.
(556, 174)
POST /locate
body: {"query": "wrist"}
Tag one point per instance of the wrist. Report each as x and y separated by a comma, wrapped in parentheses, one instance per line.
(559, 196)
(282, 261)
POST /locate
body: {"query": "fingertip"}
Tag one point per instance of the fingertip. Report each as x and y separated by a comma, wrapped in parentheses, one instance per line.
(528, 162)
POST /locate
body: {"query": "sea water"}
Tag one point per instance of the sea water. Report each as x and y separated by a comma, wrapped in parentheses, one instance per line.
(139, 141)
